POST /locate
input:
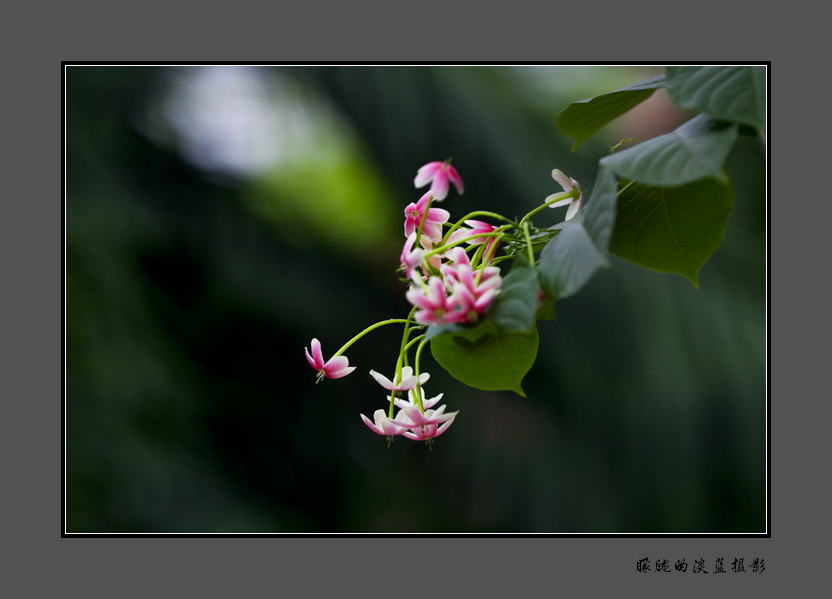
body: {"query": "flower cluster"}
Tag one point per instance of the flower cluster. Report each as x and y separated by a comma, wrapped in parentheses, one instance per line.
(416, 419)
(446, 286)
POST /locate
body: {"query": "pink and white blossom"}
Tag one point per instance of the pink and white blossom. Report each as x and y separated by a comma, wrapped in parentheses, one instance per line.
(428, 432)
(415, 417)
(461, 271)
(434, 220)
(383, 425)
(406, 382)
(471, 305)
(470, 297)
(412, 400)
(435, 306)
(423, 425)
(477, 227)
(438, 174)
(335, 368)
(568, 185)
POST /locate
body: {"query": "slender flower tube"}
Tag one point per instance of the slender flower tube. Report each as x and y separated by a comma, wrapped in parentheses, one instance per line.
(434, 219)
(408, 380)
(568, 185)
(335, 368)
(438, 174)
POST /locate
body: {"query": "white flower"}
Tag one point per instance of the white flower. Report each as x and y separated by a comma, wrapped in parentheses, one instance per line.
(569, 187)
(407, 381)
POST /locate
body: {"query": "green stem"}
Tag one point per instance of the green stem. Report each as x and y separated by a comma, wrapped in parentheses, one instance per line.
(422, 223)
(477, 256)
(418, 385)
(404, 353)
(575, 193)
(459, 223)
(528, 243)
(412, 342)
(367, 330)
(495, 233)
(489, 255)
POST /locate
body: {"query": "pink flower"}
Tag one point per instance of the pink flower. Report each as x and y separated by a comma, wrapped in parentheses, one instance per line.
(434, 305)
(434, 220)
(568, 185)
(383, 425)
(411, 259)
(415, 417)
(335, 368)
(428, 432)
(478, 227)
(438, 174)
(423, 425)
(470, 304)
(407, 382)
(471, 298)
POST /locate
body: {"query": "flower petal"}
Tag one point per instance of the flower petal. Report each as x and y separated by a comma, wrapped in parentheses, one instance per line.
(554, 196)
(460, 234)
(338, 367)
(573, 209)
(382, 380)
(438, 215)
(317, 355)
(311, 360)
(340, 373)
(439, 187)
(373, 426)
(426, 174)
(562, 179)
(455, 179)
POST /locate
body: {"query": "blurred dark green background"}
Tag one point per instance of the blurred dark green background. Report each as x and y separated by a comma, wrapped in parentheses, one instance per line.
(219, 218)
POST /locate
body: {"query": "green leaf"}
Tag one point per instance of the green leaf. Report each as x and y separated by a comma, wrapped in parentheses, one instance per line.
(695, 150)
(514, 309)
(580, 120)
(485, 358)
(440, 329)
(570, 259)
(731, 93)
(546, 311)
(672, 229)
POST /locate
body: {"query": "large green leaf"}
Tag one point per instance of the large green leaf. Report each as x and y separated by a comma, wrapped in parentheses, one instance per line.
(695, 150)
(515, 307)
(731, 93)
(580, 120)
(485, 358)
(672, 229)
(570, 259)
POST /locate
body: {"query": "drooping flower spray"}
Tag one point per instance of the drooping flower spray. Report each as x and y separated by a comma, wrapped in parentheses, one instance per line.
(453, 279)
